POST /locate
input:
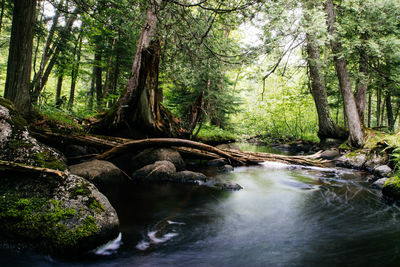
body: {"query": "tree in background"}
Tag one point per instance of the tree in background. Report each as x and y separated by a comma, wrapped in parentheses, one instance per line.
(20, 55)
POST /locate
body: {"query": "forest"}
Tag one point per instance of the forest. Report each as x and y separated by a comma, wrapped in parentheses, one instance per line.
(102, 83)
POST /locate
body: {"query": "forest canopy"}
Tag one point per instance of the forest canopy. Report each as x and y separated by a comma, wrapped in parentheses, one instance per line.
(300, 69)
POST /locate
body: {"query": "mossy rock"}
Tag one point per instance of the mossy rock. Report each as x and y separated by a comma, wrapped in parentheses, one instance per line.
(17, 145)
(66, 216)
(391, 188)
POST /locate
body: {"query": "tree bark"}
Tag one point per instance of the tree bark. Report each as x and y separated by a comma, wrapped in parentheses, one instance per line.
(369, 109)
(75, 71)
(98, 72)
(378, 106)
(327, 127)
(59, 90)
(2, 14)
(20, 55)
(356, 137)
(139, 113)
(362, 85)
(389, 111)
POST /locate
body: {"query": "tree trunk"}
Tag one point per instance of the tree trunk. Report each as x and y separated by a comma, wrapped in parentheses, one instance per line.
(42, 80)
(92, 88)
(2, 14)
(356, 137)
(59, 89)
(75, 71)
(369, 109)
(20, 55)
(98, 72)
(362, 85)
(327, 127)
(139, 112)
(389, 111)
(378, 106)
(106, 89)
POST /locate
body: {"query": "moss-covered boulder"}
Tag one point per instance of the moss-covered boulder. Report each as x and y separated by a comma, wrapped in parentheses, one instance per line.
(17, 145)
(391, 188)
(59, 214)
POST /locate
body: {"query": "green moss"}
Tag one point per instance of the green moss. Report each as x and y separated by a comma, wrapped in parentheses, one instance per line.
(392, 187)
(16, 119)
(92, 203)
(16, 144)
(48, 160)
(39, 218)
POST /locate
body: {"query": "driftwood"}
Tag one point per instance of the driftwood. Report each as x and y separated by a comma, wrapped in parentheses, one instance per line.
(167, 142)
(21, 168)
(116, 146)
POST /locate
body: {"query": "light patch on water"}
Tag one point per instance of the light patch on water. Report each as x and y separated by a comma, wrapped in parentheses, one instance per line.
(154, 240)
(274, 165)
(178, 223)
(110, 247)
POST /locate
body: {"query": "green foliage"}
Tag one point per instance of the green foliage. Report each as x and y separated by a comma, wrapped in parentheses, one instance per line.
(213, 134)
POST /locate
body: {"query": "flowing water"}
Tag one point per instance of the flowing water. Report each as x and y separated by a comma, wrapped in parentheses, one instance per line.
(284, 216)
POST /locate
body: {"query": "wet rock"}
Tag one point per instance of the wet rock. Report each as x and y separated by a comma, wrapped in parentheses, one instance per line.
(158, 171)
(151, 155)
(227, 186)
(105, 175)
(330, 154)
(217, 162)
(17, 145)
(189, 177)
(225, 168)
(382, 171)
(374, 160)
(391, 189)
(352, 160)
(75, 151)
(380, 183)
(60, 215)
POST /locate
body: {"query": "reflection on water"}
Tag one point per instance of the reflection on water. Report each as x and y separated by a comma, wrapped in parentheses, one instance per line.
(284, 216)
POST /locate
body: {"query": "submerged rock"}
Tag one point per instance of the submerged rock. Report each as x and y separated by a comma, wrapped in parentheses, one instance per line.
(63, 215)
(380, 183)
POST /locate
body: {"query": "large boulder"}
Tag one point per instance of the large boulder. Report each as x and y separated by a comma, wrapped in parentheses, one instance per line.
(375, 159)
(158, 171)
(59, 214)
(383, 171)
(151, 155)
(353, 160)
(18, 146)
(52, 211)
(391, 188)
(103, 174)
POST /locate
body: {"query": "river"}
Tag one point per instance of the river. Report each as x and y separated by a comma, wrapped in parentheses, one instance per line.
(283, 216)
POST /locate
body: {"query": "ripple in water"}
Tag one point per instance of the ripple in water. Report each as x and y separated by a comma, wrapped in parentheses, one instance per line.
(110, 247)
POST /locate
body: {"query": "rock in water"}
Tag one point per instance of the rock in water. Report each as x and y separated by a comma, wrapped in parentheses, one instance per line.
(54, 213)
(60, 215)
(382, 171)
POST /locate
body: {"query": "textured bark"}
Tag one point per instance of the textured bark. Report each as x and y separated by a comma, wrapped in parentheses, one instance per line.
(356, 137)
(2, 14)
(20, 55)
(139, 112)
(362, 85)
(98, 72)
(369, 109)
(378, 106)
(327, 127)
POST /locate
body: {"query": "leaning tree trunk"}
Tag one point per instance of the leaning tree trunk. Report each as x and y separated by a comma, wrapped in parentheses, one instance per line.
(327, 127)
(356, 137)
(139, 112)
(20, 55)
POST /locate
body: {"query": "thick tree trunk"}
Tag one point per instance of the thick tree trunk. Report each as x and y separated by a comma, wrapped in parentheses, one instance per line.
(369, 109)
(139, 112)
(20, 55)
(327, 127)
(362, 85)
(356, 137)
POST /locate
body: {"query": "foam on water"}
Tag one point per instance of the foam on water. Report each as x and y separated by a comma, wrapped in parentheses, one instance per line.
(110, 247)
(152, 239)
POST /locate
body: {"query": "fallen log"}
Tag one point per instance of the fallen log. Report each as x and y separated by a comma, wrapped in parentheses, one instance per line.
(21, 168)
(167, 142)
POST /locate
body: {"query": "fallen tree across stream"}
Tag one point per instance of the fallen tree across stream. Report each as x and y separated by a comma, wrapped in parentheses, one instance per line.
(113, 147)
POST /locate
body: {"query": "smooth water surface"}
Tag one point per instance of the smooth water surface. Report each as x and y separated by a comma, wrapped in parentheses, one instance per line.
(284, 216)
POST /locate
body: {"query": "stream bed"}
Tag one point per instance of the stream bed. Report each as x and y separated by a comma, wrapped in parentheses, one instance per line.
(283, 216)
